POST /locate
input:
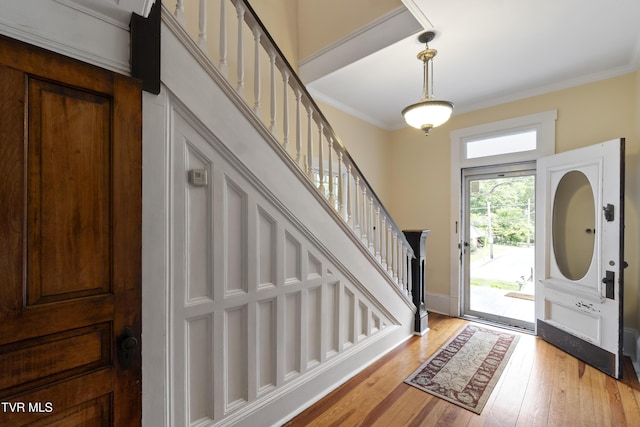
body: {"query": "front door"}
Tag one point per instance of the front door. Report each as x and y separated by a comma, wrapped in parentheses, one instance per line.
(580, 261)
(70, 242)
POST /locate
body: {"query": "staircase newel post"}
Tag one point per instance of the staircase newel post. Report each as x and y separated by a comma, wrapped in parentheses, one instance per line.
(417, 240)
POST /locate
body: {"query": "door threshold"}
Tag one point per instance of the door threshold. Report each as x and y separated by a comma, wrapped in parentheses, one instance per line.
(497, 324)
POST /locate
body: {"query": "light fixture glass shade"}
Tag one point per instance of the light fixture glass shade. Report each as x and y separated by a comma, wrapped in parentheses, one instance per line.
(426, 115)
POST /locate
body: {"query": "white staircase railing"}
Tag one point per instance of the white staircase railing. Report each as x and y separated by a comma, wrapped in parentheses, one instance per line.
(241, 50)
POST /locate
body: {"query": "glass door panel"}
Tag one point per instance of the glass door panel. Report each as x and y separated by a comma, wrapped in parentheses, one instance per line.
(498, 242)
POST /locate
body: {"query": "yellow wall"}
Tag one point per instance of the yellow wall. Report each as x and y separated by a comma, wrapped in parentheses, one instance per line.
(587, 114)
(280, 17)
(323, 22)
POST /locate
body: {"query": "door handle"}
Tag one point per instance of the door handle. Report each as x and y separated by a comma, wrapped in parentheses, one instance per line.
(608, 281)
(127, 345)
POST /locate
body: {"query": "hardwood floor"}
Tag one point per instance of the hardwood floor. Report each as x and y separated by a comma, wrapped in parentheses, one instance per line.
(541, 386)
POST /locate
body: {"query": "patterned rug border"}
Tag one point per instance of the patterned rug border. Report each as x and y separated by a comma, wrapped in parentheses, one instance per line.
(488, 389)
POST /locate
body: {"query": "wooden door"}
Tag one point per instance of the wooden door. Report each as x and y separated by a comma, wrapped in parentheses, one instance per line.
(70, 241)
(580, 253)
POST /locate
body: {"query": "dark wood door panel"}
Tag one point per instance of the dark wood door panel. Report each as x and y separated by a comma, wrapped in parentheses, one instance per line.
(49, 319)
(70, 240)
(68, 193)
(35, 61)
(36, 362)
(12, 187)
(53, 405)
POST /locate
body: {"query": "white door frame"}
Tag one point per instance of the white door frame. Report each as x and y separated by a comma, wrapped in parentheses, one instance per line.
(545, 125)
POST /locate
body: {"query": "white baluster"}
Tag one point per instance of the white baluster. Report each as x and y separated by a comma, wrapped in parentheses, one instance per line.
(179, 12)
(409, 274)
(340, 189)
(223, 38)
(256, 73)
(370, 231)
(321, 160)
(383, 242)
(356, 213)
(272, 62)
(240, 74)
(349, 199)
(400, 266)
(394, 248)
(405, 270)
(390, 249)
(376, 235)
(364, 218)
(298, 128)
(285, 108)
(310, 143)
(202, 26)
(332, 199)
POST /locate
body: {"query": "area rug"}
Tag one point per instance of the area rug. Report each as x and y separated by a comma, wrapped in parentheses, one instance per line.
(467, 368)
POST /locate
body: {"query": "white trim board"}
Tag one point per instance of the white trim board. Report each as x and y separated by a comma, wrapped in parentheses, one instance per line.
(388, 29)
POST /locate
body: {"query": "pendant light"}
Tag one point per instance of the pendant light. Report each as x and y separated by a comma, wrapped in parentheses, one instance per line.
(429, 112)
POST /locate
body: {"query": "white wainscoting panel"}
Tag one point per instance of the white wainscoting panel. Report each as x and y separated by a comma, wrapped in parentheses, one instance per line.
(255, 304)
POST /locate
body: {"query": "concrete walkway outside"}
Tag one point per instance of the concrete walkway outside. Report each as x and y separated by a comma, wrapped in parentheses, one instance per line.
(508, 265)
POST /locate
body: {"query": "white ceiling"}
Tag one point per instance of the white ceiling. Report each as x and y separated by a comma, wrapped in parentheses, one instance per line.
(489, 52)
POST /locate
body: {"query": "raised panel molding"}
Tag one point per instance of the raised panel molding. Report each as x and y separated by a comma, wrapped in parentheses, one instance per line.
(257, 307)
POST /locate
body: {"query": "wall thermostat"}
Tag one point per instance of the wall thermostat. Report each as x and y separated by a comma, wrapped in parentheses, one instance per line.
(198, 177)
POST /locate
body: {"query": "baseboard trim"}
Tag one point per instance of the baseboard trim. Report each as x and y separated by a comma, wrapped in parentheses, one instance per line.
(438, 303)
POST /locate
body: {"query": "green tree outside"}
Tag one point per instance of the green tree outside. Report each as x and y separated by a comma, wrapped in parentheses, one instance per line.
(511, 203)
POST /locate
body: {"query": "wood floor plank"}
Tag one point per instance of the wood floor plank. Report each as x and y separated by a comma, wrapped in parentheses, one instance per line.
(506, 400)
(541, 386)
(600, 405)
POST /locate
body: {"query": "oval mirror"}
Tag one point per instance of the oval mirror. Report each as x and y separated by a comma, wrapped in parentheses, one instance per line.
(573, 225)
